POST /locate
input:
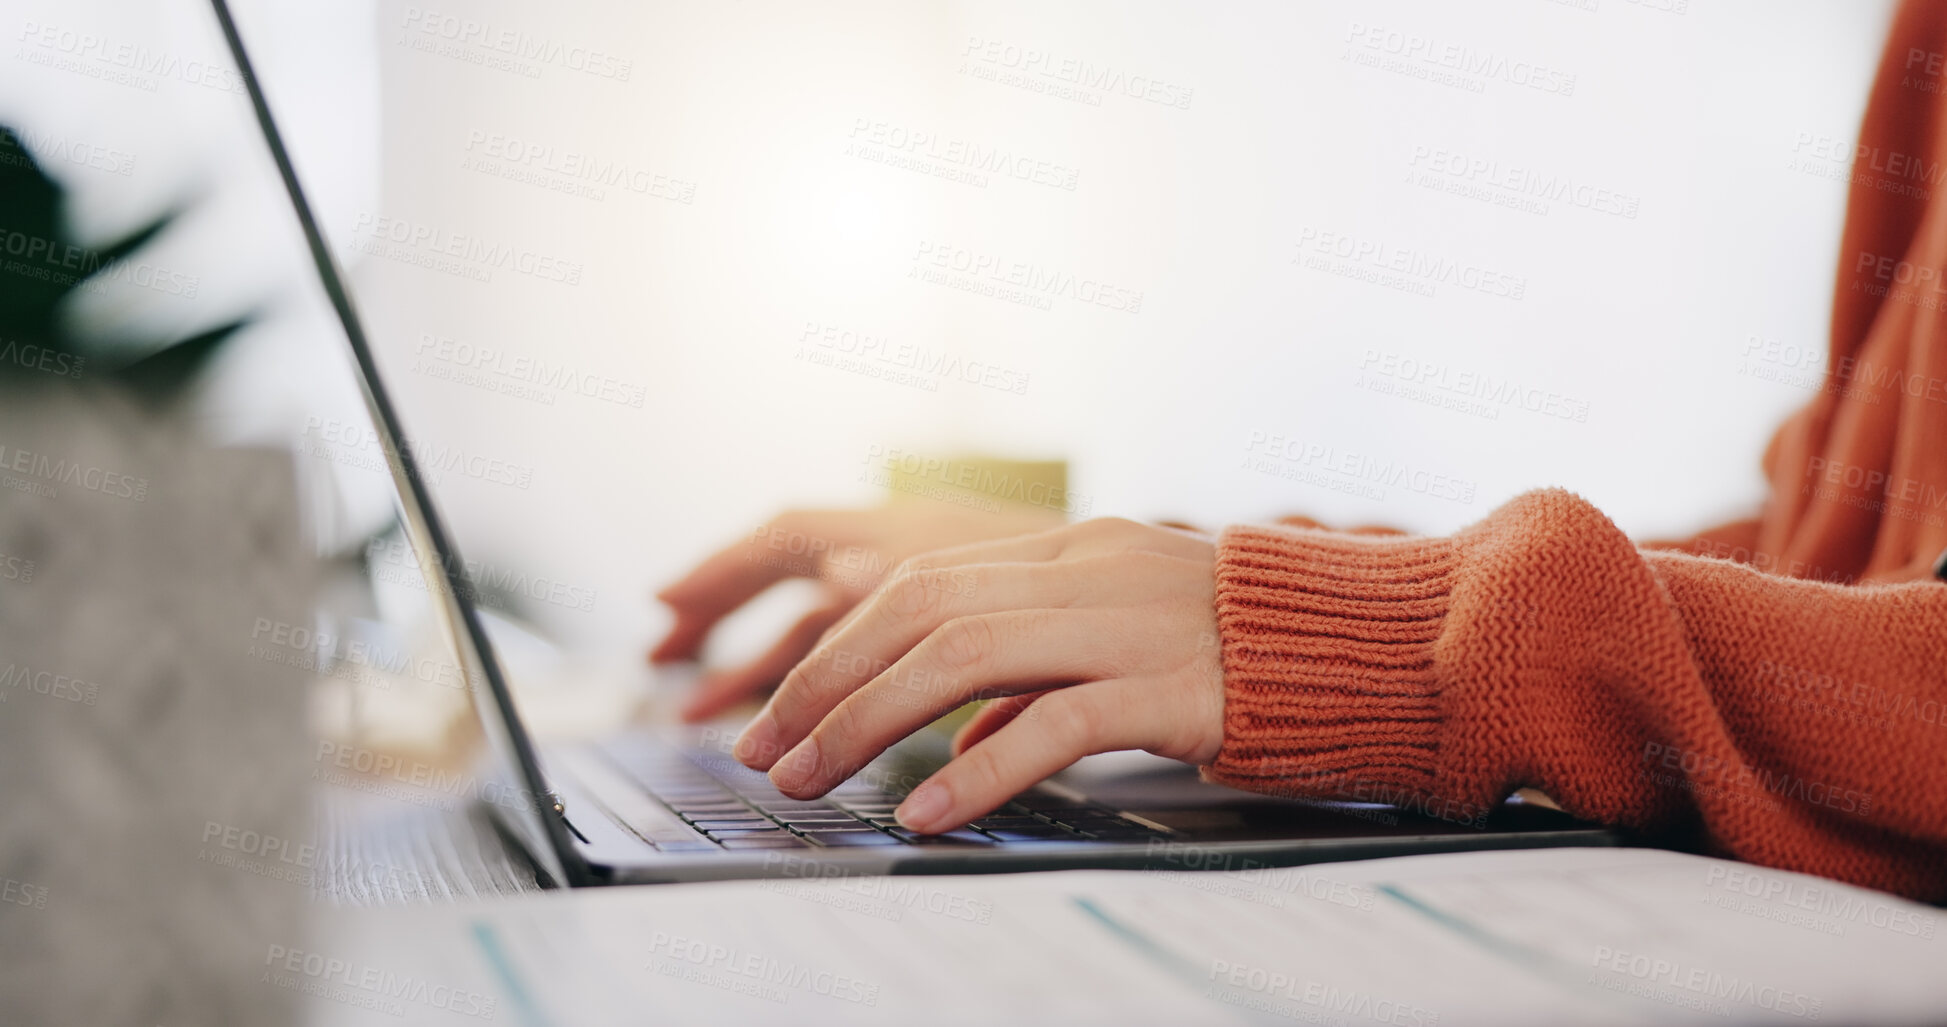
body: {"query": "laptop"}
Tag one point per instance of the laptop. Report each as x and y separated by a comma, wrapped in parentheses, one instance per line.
(672, 805)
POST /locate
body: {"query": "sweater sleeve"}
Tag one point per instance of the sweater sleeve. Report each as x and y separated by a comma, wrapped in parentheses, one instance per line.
(1795, 724)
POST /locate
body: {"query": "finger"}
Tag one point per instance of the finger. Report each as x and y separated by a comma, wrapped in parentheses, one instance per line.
(717, 586)
(685, 638)
(909, 609)
(1103, 535)
(1100, 716)
(721, 690)
(1090, 538)
(793, 545)
(1039, 547)
(991, 717)
(967, 659)
(917, 605)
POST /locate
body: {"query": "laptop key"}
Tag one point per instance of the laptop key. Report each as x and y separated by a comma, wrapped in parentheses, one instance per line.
(731, 806)
(1038, 801)
(1006, 821)
(818, 817)
(769, 841)
(959, 837)
(820, 826)
(1091, 822)
(865, 798)
(701, 791)
(861, 785)
(852, 839)
(1044, 833)
(1070, 814)
(1131, 833)
(746, 830)
(732, 823)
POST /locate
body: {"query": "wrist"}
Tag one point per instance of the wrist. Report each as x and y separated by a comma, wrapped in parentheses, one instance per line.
(1328, 645)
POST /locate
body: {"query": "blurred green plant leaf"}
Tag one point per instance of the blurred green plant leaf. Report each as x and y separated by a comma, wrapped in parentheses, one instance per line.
(42, 267)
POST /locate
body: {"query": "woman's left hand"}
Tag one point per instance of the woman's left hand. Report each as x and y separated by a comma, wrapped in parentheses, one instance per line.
(1090, 638)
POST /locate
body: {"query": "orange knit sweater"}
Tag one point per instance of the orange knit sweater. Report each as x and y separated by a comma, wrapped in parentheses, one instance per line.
(1777, 687)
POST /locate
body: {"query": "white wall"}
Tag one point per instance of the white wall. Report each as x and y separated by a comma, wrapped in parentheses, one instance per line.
(1284, 130)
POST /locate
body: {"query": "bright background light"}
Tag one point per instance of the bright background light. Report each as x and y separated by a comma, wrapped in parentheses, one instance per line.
(1293, 125)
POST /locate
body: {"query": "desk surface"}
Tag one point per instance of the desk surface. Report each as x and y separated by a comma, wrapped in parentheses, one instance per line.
(374, 850)
(1612, 936)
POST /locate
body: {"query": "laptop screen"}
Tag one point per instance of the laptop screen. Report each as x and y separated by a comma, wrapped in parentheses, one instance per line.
(526, 800)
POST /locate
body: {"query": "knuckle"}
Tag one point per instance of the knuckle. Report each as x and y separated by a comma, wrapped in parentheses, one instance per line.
(1073, 718)
(843, 728)
(786, 521)
(794, 679)
(824, 659)
(844, 668)
(828, 665)
(1104, 532)
(959, 582)
(1198, 715)
(909, 597)
(966, 642)
(793, 694)
(1111, 527)
(912, 686)
(982, 771)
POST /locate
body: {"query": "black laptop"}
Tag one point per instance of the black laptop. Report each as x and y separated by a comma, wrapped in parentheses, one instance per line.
(674, 806)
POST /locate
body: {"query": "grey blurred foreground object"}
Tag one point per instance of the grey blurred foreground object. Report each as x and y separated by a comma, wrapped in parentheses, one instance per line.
(154, 825)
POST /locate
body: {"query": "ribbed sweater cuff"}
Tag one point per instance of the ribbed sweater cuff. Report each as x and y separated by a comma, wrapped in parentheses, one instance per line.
(1328, 644)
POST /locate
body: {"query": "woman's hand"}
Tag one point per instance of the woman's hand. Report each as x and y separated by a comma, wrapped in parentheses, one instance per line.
(1095, 637)
(847, 551)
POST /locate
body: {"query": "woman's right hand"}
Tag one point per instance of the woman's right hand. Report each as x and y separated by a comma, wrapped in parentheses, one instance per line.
(849, 552)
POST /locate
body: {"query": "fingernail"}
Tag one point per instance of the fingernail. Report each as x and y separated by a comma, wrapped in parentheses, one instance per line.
(797, 766)
(923, 809)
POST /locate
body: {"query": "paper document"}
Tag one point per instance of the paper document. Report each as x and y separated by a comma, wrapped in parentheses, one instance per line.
(1541, 936)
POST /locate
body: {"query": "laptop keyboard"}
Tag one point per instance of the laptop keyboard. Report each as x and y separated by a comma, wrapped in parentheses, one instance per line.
(727, 805)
